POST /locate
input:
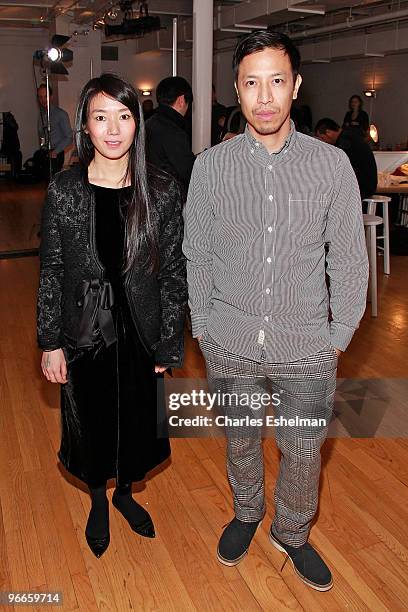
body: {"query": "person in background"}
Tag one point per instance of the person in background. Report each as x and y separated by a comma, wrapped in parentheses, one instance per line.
(307, 119)
(61, 132)
(217, 118)
(111, 303)
(167, 143)
(261, 209)
(361, 157)
(356, 117)
(302, 118)
(148, 109)
(234, 123)
(10, 143)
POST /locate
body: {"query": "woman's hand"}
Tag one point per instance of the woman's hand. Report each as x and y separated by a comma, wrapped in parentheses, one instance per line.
(158, 369)
(54, 366)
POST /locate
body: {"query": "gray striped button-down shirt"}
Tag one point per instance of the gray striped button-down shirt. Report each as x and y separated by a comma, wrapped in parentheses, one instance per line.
(256, 225)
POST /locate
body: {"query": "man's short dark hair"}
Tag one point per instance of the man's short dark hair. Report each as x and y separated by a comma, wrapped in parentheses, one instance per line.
(44, 85)
(169, 89)
(326, 124)
(264, 39)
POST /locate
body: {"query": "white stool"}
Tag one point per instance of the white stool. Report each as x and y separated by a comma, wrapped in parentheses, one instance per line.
(372, 210)
(370, 222)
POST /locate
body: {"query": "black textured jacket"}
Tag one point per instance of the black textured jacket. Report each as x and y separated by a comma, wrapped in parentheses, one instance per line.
(68, 258)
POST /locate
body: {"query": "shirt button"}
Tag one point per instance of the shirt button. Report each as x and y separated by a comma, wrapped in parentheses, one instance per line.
(257, 144)
(266, 319)
(268, 291)
(268, 259)
(271, 198)
(252, 150)
(269, 167)
(269, 229)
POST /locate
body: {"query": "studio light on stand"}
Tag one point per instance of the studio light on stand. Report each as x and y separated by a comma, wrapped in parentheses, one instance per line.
(52, 61)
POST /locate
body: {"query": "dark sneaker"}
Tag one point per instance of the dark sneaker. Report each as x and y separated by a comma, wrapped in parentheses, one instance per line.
(235, 541)
(307, 563)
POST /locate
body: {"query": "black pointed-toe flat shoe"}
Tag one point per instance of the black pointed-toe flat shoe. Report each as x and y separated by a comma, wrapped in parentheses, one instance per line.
(145, 528)
(97, 545)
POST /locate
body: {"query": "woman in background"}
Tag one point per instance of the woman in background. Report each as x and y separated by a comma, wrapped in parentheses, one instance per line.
(111, 302)
(356, 117)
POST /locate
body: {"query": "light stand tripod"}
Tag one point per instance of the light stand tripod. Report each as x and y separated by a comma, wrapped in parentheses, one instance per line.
(48, 137)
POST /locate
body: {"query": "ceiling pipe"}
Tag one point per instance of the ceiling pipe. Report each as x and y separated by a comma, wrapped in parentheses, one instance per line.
(344, 26)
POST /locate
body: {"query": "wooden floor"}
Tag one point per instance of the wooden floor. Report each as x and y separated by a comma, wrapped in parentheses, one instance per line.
(362, 526)
(20, 212)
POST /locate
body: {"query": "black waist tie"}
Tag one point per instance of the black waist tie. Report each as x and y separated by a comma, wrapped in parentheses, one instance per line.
(96, 298)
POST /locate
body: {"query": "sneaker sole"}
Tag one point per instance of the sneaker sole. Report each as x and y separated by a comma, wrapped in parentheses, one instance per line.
(313, 585)
(232, 562)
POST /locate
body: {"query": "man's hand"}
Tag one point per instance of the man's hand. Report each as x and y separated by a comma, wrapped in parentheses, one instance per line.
(159, 369)
(54, 366)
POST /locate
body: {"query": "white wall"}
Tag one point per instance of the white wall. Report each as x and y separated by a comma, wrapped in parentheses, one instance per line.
(327, 88)
(146, 70)
(17, 88)
(224, 79)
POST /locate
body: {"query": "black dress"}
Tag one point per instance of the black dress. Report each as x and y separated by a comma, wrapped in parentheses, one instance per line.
(361, 122)
(111, 397)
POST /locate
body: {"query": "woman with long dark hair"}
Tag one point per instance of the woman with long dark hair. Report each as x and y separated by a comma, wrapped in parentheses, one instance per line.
(111, 302)
(356, 117)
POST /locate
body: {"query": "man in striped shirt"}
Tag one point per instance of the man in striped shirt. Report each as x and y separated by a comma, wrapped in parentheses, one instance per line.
(260, 211)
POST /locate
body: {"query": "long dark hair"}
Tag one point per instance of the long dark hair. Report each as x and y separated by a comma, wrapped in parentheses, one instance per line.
(356, 97)
(140, 234)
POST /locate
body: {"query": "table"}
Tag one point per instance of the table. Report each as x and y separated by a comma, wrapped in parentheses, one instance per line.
(401, 189)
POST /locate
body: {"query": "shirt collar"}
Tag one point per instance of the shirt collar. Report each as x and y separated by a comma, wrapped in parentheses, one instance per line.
(259, 149)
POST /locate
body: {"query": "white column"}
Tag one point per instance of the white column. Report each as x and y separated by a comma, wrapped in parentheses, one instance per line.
(202, 73)
(175, 46)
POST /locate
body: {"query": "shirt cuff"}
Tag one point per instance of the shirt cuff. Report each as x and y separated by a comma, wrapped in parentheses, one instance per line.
(198, 324)
(340, 335)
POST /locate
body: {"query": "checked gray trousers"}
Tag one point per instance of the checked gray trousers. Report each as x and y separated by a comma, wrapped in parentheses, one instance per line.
(306, 389)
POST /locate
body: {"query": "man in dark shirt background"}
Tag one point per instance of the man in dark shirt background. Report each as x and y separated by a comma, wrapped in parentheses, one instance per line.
(167, 143)
(359, 153)
(218, 115)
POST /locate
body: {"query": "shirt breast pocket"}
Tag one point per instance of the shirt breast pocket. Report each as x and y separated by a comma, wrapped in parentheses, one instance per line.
(306, 217)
